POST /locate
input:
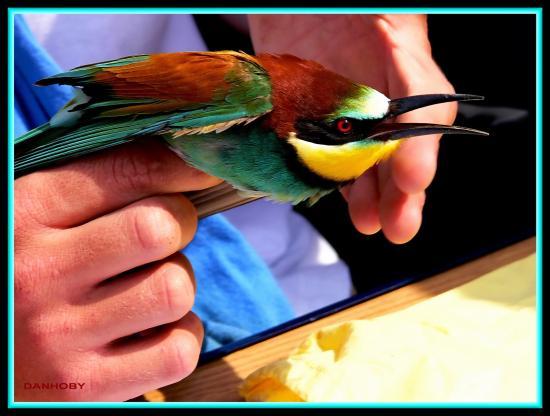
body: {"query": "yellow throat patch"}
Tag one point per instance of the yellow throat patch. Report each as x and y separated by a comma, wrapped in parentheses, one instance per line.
(343, 162)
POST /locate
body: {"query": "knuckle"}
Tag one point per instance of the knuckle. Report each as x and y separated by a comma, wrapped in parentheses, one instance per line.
(134, 169)
(383, 26)
(156, 228)
(46, 329)
(176, 294)
(32, 204)
(24, 294)
(449, 87)
(34, 276)
(453, 111)
(23, 281)
(38, 336)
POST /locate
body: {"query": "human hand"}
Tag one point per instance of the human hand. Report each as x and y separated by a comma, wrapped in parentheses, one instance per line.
(391, 53)
(96, 262)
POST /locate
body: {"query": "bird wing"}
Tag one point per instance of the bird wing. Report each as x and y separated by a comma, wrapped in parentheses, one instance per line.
(185, 92)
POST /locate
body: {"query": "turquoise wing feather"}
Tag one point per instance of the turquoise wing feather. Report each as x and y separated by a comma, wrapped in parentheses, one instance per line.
(165, 94)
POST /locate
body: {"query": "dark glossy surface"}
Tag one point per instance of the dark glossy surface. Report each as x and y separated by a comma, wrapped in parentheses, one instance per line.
(483, 196)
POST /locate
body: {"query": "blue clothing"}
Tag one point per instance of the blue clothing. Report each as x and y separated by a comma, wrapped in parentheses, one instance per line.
(237, 295)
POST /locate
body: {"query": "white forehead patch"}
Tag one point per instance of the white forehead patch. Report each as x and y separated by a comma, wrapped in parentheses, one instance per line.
(365, 104)
(377, 104)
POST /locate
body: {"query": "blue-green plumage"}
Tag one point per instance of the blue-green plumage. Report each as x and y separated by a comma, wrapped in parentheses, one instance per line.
(253, 160)
(269, 125)
(126, 98)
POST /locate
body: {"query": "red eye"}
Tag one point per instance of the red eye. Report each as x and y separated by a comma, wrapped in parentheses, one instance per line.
(344, 125)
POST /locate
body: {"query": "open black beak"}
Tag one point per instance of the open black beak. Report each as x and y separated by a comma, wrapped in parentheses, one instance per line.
(406, 104)
(396, 131)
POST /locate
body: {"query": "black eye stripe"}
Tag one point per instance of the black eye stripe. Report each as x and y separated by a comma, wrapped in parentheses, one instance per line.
(328, 133)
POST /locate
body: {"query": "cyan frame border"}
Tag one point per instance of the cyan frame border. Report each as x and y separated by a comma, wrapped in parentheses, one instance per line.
(273, 10)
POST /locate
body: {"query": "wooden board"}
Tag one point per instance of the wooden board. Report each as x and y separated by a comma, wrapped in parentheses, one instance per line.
(218, 381)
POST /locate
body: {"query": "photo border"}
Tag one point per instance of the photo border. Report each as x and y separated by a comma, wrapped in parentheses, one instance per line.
(12, 11)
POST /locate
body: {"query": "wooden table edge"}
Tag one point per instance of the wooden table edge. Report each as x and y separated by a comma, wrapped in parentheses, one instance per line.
(218, 381)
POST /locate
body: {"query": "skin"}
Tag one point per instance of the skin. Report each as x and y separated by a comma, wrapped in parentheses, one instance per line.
(96, 260)
(392, 54)
(97, 240)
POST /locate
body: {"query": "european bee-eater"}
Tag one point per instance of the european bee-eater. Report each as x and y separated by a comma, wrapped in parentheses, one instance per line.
(270, 125)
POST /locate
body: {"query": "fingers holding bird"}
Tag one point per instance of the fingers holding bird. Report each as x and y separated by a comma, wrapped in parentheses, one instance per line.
(414, 163)
(136, 301)
(162, 357)
(413, 166)
(300, 116)
(403, 179)
(393, 54)
(80, 190)
(95, 238)
(107, 266)
(400, 213)
(363, 198)
(79, 257)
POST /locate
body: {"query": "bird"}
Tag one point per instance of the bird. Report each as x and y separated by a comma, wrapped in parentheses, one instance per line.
(269, 125)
